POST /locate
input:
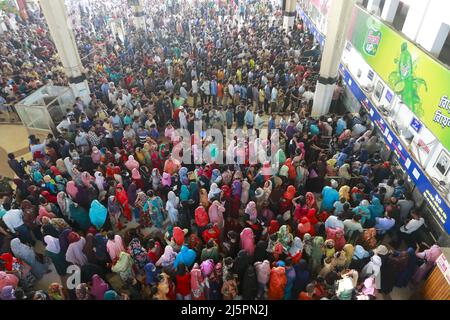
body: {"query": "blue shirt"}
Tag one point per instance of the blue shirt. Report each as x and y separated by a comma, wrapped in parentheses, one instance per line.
(105, 89)
(249, 117)
(243, 92)
(271, 124)
(214, 88)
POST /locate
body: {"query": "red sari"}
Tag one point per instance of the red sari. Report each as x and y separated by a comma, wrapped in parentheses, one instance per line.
(122, 197)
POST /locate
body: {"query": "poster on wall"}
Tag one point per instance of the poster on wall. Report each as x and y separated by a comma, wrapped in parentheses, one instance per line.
(442, 163)
(420, 81)
(379, 89)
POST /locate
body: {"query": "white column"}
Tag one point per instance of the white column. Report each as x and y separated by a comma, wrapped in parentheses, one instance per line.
(435, 27)
(373, 6)
(337, 29)
(414, 19)
(61, 31)
(289, 15)
(139, 14)
(389, 10)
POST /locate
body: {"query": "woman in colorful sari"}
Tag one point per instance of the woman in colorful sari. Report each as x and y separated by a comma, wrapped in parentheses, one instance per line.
(286, 200)
(18, 269)
(122, 198)
(98, 287)
(144, 217)
(284, 237)
(197, 283)
(311, 202)
(138, 253)
(27, 254)
(167, 259)
(155, 206)
(124, 267)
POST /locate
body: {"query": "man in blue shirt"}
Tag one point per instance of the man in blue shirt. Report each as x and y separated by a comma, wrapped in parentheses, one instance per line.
(271, 125)
(214, 91)
(249, 119)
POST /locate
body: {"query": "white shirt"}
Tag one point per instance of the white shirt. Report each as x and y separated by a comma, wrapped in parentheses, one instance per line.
(412, 225)
(65, 124)
(13, 219)
(194, 86)
(308, 96)
(183, 93)
(231, 89)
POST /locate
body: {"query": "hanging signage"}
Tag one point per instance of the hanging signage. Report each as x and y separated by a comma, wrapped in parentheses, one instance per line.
(416, 125)
(420, 81)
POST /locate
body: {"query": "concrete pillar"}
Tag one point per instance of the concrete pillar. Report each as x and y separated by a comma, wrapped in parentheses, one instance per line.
(416, 14)
(389, 10)
(373, 6)
(55, 14)
(337, 29)
(434, 29)
(289, 14)
(138, 13)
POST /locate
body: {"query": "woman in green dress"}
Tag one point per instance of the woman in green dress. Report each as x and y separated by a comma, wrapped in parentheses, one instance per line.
(124, 267)
(155, 206)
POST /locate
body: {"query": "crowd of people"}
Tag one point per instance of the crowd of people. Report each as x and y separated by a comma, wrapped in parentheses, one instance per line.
(106, 194)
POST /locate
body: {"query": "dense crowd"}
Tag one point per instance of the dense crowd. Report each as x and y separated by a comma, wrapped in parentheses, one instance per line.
(106, 194)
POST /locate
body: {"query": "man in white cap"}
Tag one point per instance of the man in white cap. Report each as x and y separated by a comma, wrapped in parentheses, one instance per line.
(183, 91)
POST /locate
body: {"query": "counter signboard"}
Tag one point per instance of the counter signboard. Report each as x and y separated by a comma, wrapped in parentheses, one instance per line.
(437, 204)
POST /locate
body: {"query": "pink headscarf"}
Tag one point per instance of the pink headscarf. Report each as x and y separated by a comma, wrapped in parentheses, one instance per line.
(86, 178)
(166, 179)
(215, 213)
(99, 287)
(131, 163)
(135, 174)
(247, 241)
(369, 286)
(71, 189)
(115, 247)
(301, 145)
(207, 267)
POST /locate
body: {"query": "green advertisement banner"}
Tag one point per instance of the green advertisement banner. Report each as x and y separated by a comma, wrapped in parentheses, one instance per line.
(421, 82)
